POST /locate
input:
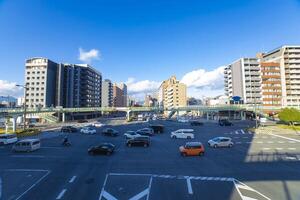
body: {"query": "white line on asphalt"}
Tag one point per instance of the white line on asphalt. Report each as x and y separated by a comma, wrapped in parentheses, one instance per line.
(27, 156)
(107, 196)
(270, 142)
(149, 188)
(281, 142)
(242, 131)
(284, 137)
(102, 190)
(248, 142)
(266, 148)
(72, 179)
(239, 185)
(292, 149)
(0, 187)
(140, 195)
(61, 194)
(236, 132)
(259, 142)
(238, 142)
(38, 181)
(189, 186)
(290, 158)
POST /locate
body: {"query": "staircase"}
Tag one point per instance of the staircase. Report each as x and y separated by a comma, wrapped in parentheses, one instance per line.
(49, 117)
(170, 115)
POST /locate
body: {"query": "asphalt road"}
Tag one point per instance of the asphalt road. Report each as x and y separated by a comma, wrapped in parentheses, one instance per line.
(259, 166)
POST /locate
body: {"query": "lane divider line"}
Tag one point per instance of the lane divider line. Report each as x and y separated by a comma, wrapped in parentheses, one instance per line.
(291, 139)
(72, 179)
(61, 194)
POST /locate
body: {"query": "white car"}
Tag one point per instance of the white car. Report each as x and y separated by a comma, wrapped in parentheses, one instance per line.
(8, 138)
(183, 120)
(97, 124)
(131, 135)
(220, 142)
(183, 133)
(88, 130)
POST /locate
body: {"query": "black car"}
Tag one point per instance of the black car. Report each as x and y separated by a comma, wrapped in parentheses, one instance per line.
(157, 128)
(196, 123)
(82, 121)
(110, 132)
(145, 131)
(68, 129)
(104, 148)
(225, 122)
(139, 141)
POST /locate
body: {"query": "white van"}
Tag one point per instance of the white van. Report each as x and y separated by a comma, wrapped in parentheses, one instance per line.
(8, 138)
(183, 133)
(27, 145)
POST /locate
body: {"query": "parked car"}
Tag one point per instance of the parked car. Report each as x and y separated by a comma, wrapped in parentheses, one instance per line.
(110, 132)
(27, 145)
(157, 128)
(192, 149)
(82, 121)
(183, 133)
(8, 139)
(97, 124)
(145, 131)
(131, 134)
(88, 130)
(196, 123)
(225, 122)
(68, 129)
(104, 148)
(220, 142)
(139, 141)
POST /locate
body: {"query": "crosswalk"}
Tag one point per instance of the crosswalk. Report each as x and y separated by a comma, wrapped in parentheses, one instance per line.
(239, 132)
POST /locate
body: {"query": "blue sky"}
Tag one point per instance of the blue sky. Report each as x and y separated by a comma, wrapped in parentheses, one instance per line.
(144, 42)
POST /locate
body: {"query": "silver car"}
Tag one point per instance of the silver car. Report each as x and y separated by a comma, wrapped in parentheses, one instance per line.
(220, 142)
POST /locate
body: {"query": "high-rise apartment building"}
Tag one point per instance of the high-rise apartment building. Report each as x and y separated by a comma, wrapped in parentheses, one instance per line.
(40, 79)
(286, 63)
(107, 93)
(66, 85)
(172, 93)
(120, 95)
(243, 78)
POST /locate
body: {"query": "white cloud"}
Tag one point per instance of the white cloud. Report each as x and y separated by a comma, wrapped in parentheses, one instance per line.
(9, 89)
(88, 56)
(138, 89)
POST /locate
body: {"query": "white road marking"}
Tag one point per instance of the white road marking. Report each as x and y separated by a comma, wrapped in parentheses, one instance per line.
(107, 196)
(291, 139)
(149, 188)
(239, 185)
(292, 149)
(236, 132)
(270, 142)
(238, 142)
(266, 148)
(102, 189)
(290, 158)
(27, 156)
(279, 148)
(37, 182)
(140, 195)
(189, 186)
(242, 131)
(72, 179)
(61, 194)
(259, 142)
(0, 187)
(281, 142)
(245, 137)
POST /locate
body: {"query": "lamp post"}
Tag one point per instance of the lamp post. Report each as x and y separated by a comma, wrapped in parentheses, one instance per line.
(25, 95)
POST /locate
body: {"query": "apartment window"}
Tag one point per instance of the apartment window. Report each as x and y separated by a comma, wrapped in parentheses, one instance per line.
(28, 78)
(32, 83)
(38, 77)
(38, 72)
(43, 77)
(43, 72)
(33, 72)
(28, 72)
(37, 94)
(43, 83)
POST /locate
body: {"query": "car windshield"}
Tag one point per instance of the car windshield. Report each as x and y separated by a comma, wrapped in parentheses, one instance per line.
(143, 79)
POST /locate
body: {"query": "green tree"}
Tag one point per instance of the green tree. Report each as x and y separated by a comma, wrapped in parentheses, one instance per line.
(289, 115)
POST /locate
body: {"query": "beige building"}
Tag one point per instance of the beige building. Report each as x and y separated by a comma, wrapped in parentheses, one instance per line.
(172, 93)
(284, 68)
(120, 95)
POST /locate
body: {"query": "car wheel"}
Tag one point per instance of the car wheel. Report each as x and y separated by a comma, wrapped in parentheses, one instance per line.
(145, 145)
(188, 137)
(201, 153)
(108, 153)
(230, 145)
(129, 145)
(91, 153)
(174, 137)
(183, 154)
(215, 146)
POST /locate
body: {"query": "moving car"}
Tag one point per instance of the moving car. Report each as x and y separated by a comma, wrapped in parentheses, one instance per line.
(131, 134)
(110, 132)
(225, 122)
(88, 130)
(68, 129)
(183, 133)
(139, 141)
(220, 142)
(8, 139)
(145, 131)
(192, 149)
(97, 124)
(157, 128)
(104, 148)
(27, 145)
(196, 123)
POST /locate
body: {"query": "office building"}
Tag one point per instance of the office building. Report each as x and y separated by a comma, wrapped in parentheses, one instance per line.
(40, 78)
(243, 78)
(282, 65)
(150, 101)
(67, 85)
(172, 93)
(120, 95)
(107, 93)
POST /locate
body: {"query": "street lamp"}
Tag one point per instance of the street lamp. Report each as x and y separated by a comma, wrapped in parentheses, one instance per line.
(25, 88)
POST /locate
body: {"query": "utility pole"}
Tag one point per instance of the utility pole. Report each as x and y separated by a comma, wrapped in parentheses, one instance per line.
(25, 98)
